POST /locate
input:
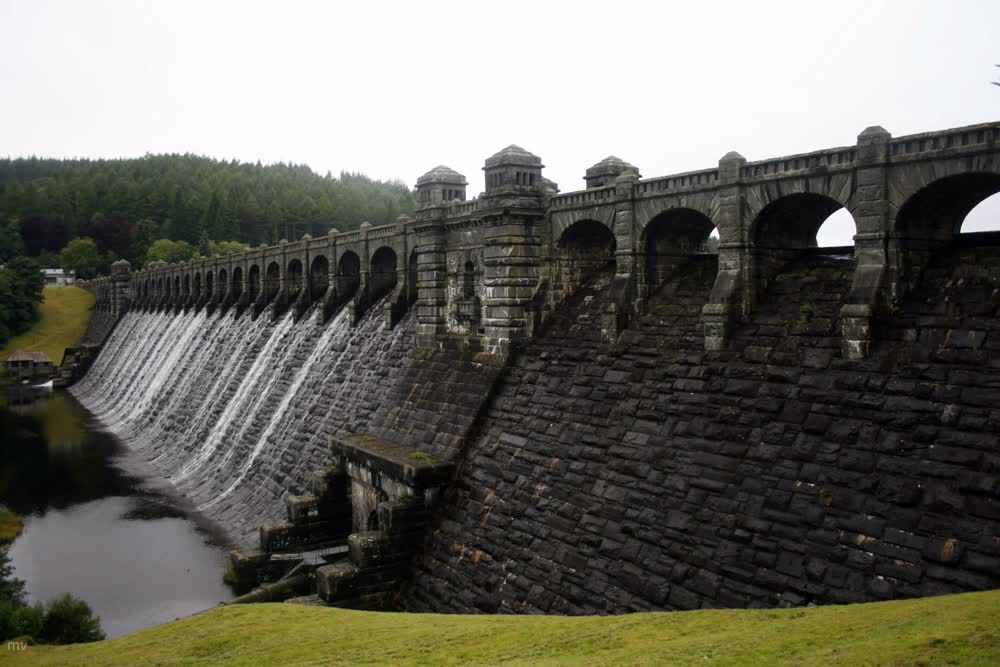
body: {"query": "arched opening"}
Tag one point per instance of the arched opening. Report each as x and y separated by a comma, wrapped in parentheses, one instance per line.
(412, 276)
(786, 229)
(272, 280)
(197, 285)
(319, 277)
(466, 299)
(469, 281)
(209, 284)
(984, 217)
(295, 279)
(253, 282)
(584, 249)
(187, 286)
(941, 214)
(145, 289)
(235, 282)
(348, 274)
(383, 272)
(675, 238)
(160, 290)
(177, 286)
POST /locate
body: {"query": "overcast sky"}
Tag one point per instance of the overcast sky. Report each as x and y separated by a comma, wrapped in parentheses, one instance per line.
(393, 89)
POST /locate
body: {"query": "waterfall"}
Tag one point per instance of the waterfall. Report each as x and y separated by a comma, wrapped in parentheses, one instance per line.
(234, 411)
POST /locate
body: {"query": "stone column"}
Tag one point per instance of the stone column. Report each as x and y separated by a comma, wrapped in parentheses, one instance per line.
(120, 288)
(432, 271)
(625, 302)
(511, 256)
(870, 207)
(733, 294)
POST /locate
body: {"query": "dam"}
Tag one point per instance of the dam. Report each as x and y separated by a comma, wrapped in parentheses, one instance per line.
(534, 402)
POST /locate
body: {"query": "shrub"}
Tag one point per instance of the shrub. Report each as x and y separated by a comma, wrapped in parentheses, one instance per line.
(20, 621)
(69, 620)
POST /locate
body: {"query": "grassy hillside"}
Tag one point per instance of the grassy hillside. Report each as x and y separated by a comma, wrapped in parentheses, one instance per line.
(64, 315)
(960, 629)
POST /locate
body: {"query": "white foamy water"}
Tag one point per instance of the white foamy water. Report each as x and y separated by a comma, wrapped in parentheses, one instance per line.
(234, 411)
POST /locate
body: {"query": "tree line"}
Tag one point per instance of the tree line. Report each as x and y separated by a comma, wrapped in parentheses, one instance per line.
(127, 205)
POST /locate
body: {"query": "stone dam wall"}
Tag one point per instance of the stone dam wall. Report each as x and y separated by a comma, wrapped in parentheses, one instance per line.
(628, 420)
(650, 474)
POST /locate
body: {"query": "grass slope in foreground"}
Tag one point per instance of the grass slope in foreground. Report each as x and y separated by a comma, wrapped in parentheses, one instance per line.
(956, 629)
(63, 317)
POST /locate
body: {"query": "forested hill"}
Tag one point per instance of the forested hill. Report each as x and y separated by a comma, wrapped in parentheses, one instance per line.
(125, 205)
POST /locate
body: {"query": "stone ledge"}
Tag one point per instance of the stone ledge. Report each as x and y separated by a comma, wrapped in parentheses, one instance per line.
(406, 464)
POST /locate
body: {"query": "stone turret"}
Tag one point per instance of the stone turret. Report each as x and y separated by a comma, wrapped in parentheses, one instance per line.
(513, 170)
(607, 170)
(440, 184)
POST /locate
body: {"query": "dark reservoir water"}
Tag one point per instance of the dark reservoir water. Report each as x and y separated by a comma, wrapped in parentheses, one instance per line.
(100, 524)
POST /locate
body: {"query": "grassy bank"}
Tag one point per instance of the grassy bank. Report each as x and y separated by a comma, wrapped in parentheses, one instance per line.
(63, 318)
(10, 526)
(959, 629)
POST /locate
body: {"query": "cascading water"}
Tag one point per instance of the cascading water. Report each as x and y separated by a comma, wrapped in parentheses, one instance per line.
(235, 411)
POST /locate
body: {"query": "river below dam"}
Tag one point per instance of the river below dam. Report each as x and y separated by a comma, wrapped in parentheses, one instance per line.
(99, 522)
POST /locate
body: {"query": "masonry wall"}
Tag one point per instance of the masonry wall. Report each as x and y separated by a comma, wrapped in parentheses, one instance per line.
(654, 475)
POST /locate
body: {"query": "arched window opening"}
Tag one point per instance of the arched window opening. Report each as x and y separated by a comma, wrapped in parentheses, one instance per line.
(585, 249)
(785, 231)
(295, 279)
(984, 216)
(272, 280)
(952, 209)
(209, 284)
(319, 277)
(383, 271)
(348, 274)
(469, 281)
(412, 276)
(674, 239)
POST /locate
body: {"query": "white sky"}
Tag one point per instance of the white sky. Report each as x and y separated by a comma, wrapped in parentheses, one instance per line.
(393, 89)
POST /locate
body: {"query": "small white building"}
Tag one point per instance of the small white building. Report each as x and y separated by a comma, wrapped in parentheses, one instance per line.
(59, 277)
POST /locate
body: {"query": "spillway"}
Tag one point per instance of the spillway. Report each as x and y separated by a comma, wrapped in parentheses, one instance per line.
(235, 411)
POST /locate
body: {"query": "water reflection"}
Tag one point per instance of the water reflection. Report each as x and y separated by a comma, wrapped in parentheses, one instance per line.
(98, 523)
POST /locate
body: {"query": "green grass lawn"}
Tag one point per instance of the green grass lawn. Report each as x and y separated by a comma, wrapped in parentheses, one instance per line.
(957, 629)
(63, 318)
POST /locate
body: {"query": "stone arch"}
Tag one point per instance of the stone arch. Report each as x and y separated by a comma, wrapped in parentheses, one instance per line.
(319, 277)
(706, 203)
(348, 273)
(672, 239)
(563, 220)
(272, 280)
(294, 276)
(785, 230)
(584, 248)
(209, 284)
(187, 285)
(931, 218)
(177, 287)
(197, 284)
(382, 278)
(253, 282)
(160, 290)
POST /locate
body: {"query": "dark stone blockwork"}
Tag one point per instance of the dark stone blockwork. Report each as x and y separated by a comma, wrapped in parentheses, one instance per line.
(632, 423)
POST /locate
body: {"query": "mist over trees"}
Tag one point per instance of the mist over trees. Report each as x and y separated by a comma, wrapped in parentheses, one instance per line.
(127, 205)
